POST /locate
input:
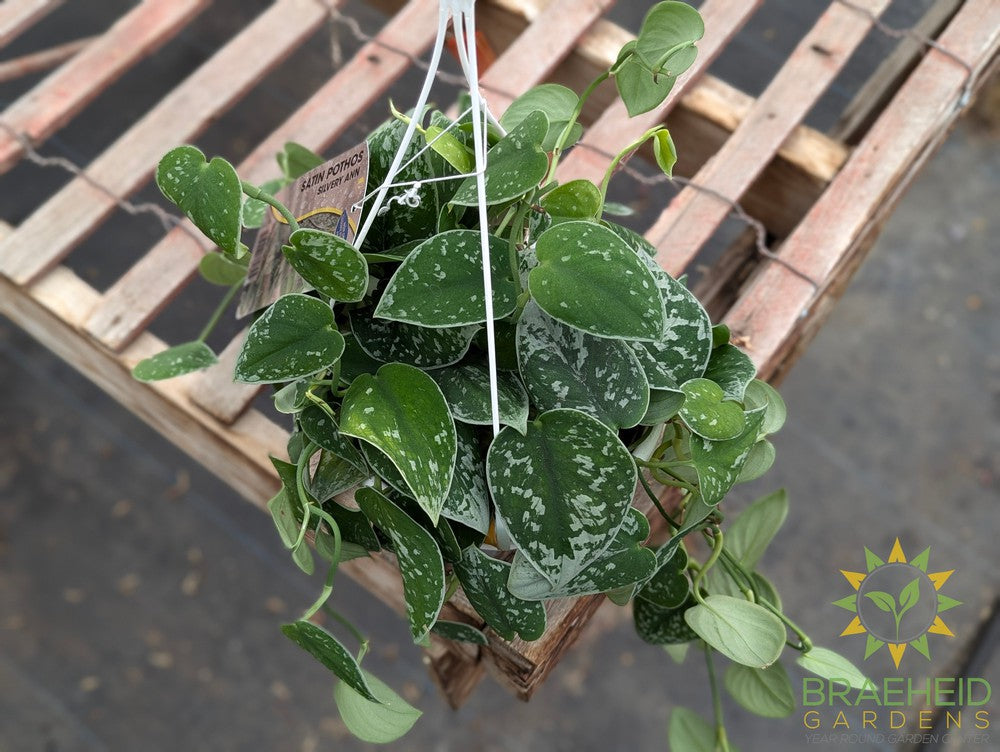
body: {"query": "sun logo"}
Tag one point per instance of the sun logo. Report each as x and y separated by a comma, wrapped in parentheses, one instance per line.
(897, 603)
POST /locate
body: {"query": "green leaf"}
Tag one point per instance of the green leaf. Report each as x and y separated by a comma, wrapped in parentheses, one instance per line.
(564, 367)
(291, 398)
(689, 732)
(909, 595)
(682, 352)
(759, 461)
(761, 394)
(355, 361)
(401, 411)
(719, 463)
(484, 581)
(764, 691)
(468, 500)
(731, 369)
(667, 26)
(616, 209)
(625, 562)
(254, 210)
(662, 626)
(328, 650)
(750, 534)
(456, 630)
(708, 413)
(322, 430)
(175, 361)
(440, 284)
(513, 167)
(884, 601)
(577, 199)
(665, 151)
(375, 722)
(220, 269)
(742, 631)
(558, 104)
(638, 90)
(419, 557)
(293, 338)
(588, 278)
(208, 193)
(833, 667)
(663, 405)
(283, 515)
(563, 490)
(333, 475)
(296, 160)
(354, 526)
(388, 341)
(328, 263)
(467, 389)
(669, 587)
(454, 151)
(720, 335)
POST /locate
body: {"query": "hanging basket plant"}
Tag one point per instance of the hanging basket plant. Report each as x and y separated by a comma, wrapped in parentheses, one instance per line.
(499, 442)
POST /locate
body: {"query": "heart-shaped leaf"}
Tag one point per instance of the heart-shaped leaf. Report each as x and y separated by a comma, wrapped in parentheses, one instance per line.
(354, 526)
(209, 194)
(328, 650)
(719, 463)
(220, 269)
(663, 405)
(577, 199)
(388, 341)
(669, 587)
(459, 632)
(637, 88)
(764, 691)
(706, 412)
(293, 338)
(328, 263)
(454, 152)
(759, 461)
(419, 558)
(440, 284)
(761, 394)
(753, 530)
(513, 167)
(557, 102)
(564, 367)
(334, 475)
(562, 489)
(689, 732)
(742, 631)
(484, 581)
(295, 160)
(731, 369)
(625, 562)
(833, 667)
(254, 210)
(468, 500)
(662, 626)
(175, 361)
(401, 411)
(682, 352)
(467, 389)
(588, 278)
(375, 722)
(668, 28)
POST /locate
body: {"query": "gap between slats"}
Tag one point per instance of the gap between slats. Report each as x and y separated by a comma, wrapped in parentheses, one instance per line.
(17, 16)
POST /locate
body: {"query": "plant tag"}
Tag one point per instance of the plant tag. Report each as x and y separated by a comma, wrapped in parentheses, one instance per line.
(327, 198)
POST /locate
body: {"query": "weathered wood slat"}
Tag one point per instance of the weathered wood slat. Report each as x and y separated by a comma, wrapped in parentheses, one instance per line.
(42, 60)
(694, 215)
(19, 15)
(778, 314)
(723, 18)
(40, 242)
(149, 285)
(50, 104)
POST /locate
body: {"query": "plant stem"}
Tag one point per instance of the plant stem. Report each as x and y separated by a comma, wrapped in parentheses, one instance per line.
(254, 192)
(516, 235)
(722, 743)
(568, 129)
(617, 160)
(656, 502)
(355, 632)
(717, 544)
(219, 310)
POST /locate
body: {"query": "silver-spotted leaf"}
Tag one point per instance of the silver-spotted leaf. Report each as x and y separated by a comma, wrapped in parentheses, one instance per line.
(709, 413)
(588, 278)
(563, 490)
(556, 101)
(731, 369)
(419, 557)
(565, 367)
(514, 166)
(328, 650)
(663, 405)
(440, 283)
(467, 389)
(328, 263)
(459, 632)
(669, 587)
(719, 463)
(388, 341)
(484, 581)
(662, 626)
(577, 199)
(468, 499)
(175, 361)
(401, 411)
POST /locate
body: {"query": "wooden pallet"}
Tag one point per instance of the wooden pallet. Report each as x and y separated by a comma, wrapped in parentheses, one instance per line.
(820, 201)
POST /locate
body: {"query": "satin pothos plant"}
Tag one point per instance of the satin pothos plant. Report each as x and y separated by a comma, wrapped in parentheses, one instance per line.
(610, 375)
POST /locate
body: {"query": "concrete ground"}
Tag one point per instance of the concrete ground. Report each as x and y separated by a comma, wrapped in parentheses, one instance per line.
(140, 598)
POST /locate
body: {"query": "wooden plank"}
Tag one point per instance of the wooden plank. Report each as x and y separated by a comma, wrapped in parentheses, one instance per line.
(34, 62)
(55, 100)
(723, 18)
(149, 285)
(694, 215)
(539, 49)
(214, 390)
(778, 312)
(871, 99)
(63, 221)
(19, 15)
